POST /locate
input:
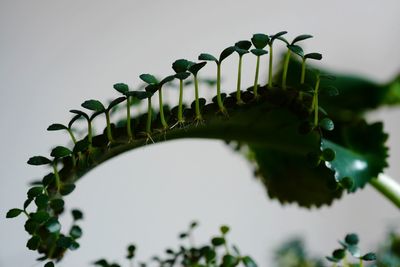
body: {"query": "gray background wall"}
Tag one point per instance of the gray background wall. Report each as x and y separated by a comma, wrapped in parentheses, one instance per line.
(56, 54)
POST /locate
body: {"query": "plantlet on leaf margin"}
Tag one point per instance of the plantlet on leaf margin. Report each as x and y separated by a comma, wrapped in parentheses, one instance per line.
(58, 127)
(315, 56)
(224, 54)
(124, 89)
(181, 66)
(291, 47)
(194, 68)
(272, 38)
(242, 48)
(259, 41)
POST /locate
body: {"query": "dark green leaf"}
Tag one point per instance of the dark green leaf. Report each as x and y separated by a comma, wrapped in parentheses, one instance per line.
(347, 183)
(75, 232)
(101, 263)
(131, 252)
(330, 91)
(224, 229)
(329, 258)
(327, 124)
(48, 179)
(31, 226)
(180, 65)
(244, 45)
(93, 105)
(167, 79)
(276, 35)
(140, 94)
(121, 87)
(49, 264)
(151, 89)
(79, 112)
(41, 201)
(40, 216)
(81, 145)
(229, 261)
(328, 154)
(27, 202)
(38, 160)
(369, 256)
(296, 49)
(60, 152)
(193, 225)
(35, 191)
(12, 213)
(241, 52)
(226, 53)
(260, 40)
(351, 239)
(74, 118)
(182, 75)
(207, 57)
(77, 214)
(57, 204)
(283, 40)
(259, 52)
(33, 243)
(249, 262)
(339, 253)
(148, 78)
(194, 69)
(57, 127)
(116, 102)
(316, 56)
(64, 242)
(74, 245)
(66, 189)
(53, 226)
(218, 241)
(301, 38)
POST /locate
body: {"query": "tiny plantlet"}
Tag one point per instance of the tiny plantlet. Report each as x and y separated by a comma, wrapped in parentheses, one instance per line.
(304, 121)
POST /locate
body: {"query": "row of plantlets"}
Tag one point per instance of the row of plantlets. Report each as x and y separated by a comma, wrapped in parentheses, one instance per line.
(274, 116)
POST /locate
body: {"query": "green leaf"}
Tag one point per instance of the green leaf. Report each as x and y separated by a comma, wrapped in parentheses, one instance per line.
(327, 124)
(53, 226)
(31, 226)
(351, 239)
(140, 94)
(80, 113)
(360, 152)
(151, 89)
(229, 261)
(101, 263)
(64, 242)
(66, 189)
(207, 57)
(116, 102)
(57, 127)
(224, 229)
(40, 216)
(38, 160)
(75, 232)
(33, 243)
(276, 35)
(339, 254)
(35, 191)
(296, 49)
(328, 154)
(77, 214)
(193, 224)
(148, 78)
(194, 69)
(93, 105)
(249, 262)
(41, 201)
(121, 87)
(259, 52)
(49, 264)
(369, 256)
(218, 241)
(57, 204)
(12, 213)
(332, 259)
(74, 118)
(260, 40)
(315, 56)
(27, 203)
(330, 91)
(81, 145)
(182, 75)
(243, 45)
(301, 38)
(60, 152)
(167, 79)
(280, 38)
(131, 251)
(226, 53)
(48, 179)
(180, 65)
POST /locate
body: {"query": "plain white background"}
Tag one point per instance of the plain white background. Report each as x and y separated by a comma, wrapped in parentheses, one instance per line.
(56, 54)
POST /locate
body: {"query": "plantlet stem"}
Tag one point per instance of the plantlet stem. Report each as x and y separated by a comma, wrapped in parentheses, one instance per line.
(109, 133)
(90, 133)
(255, 88)
(315, 101)
(239, 82)
(270, 66)
(285, 69)
(180, 108)
(57, 176)
(149, 116)
(303, 70)
(388, 187)
(160, 102)
(128, 118)
(361, 263)
(219, 99)
(196, 95)
(72, 135)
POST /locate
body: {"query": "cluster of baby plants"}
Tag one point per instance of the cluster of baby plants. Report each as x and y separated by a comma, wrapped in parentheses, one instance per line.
(218, 252)
(298, 152)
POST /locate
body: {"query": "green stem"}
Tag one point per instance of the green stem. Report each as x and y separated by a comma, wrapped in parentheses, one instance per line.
(72, 135)
(128, 118)
(180, 108)
(219, 99)
(315, 102)
(149, 116)
(196, 95)
(109, 133)
(303, 70)
(90, 132)
(57, 176)
(361, 263)
(239, 82)
(387, 187)
(285, 69)
(160, 102)
(255, 87)
(270, 67)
